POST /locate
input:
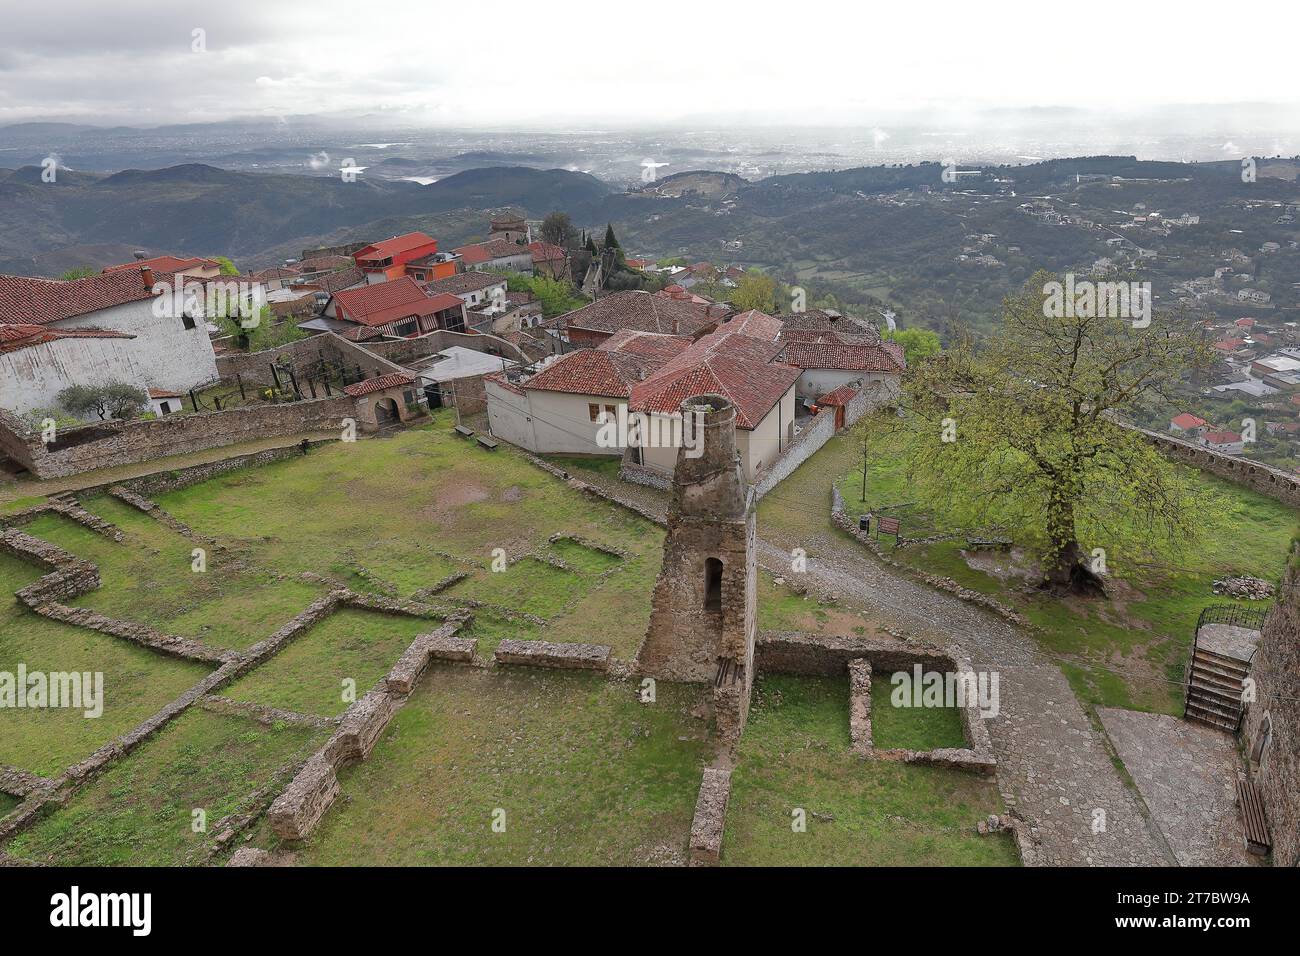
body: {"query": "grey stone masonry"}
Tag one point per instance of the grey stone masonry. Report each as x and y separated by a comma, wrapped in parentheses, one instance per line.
(550, 654)
(441, 644)
(710, 816)
(860, 705)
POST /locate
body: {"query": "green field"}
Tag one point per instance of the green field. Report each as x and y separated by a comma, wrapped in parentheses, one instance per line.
(7, 803)
(795, 755)
(584, 772)
(137, 682)
(140, 811)
(910, 728)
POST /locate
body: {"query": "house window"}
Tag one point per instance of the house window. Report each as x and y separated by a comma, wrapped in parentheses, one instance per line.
(164, 407)
(593, 411)
(611, 413)
(712, 584)
(187, 321)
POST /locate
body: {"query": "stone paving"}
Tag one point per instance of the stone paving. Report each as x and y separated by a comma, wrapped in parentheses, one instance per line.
(1186, 773)
(1054, 769)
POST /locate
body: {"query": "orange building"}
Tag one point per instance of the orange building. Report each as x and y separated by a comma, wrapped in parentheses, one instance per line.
(414, 254)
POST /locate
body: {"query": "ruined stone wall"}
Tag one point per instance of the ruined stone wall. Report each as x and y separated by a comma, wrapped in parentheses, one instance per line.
(1276, 671)
(302, 355)
(111, 444)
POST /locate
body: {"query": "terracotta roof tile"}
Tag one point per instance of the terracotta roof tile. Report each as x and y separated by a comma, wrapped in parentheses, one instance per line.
(371, 385)
(640, 311)
(16, 337)
(28, 300)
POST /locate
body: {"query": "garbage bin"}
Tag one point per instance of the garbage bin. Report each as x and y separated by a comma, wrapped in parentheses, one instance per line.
(864, 522)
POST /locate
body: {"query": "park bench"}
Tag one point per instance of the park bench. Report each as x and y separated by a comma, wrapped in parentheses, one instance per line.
(888, 526)
(1253, 821)
(464, 431)
(486, 442)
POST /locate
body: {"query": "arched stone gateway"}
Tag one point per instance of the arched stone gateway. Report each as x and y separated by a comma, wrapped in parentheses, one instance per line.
(703, 615)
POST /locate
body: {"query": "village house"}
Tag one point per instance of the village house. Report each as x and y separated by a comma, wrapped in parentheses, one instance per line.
(509, 227)
(496, 254)
(191, 267)
(549, 260)
(557, 408)
(635, 311)
(1188, 425)
(828, 362)
(1226, 442)
(398, 308)
(132, 334)
(385, 400)
(413, 255)
(473, 288)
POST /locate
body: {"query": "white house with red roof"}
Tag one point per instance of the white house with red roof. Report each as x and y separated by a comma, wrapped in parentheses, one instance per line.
(827, 361)
(496, 254)
(1226, 442)
(1188, 425)
(557, 408)
(115, 326)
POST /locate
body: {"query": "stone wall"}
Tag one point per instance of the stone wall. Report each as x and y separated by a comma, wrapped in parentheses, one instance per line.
(1276, 764)
(822, 655)
(302, 355)
(806, 444)
(1264, 479)
(406, 351)
(111, 444)
(165, 481)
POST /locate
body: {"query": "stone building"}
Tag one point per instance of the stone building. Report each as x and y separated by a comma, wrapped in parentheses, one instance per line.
(703, 611)
(1271, 729)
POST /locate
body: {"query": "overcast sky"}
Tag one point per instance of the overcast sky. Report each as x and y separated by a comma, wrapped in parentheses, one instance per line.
(632, 63)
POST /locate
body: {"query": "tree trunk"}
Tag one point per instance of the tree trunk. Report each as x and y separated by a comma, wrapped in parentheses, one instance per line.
(1068, 572)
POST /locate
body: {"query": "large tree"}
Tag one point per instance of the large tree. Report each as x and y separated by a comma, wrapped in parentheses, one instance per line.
(557, 229)
(755, 290)
(1022, 434)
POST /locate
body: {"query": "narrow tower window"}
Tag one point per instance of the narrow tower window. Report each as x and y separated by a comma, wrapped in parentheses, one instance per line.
(712, 584)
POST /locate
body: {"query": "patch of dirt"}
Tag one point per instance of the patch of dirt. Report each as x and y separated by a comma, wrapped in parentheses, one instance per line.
(513, 493)
(1014, 565)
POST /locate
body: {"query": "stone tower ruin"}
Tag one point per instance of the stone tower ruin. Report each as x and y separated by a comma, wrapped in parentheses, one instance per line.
(703, 613)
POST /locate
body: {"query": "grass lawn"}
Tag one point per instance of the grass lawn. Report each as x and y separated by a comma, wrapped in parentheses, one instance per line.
(307, 676)
(780, 608)
(139, 811)
(401, 513)
(149, 578)
(795, 754)
(585, 773)
(7, 803)
(137, 682)
(910, 728)
(1125, 651)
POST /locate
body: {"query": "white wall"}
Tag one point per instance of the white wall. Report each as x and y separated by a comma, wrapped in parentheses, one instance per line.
(509, 417)
(816, 382)
(32, 378)
(176, 358)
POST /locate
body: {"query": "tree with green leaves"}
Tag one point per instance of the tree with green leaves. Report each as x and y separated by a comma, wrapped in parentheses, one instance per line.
(611, 240)
(227, 267)
(107, 400)
(1025, 434)
(917, 343)
(755, 290)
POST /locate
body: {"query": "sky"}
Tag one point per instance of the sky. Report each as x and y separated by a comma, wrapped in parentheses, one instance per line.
(558, 65)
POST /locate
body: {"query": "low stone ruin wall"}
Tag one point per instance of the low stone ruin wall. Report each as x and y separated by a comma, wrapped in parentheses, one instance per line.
(593, 657)
(820, 655)
(710, 816)
(296, 812)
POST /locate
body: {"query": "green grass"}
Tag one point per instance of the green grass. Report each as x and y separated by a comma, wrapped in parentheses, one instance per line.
(607, 465)
(351, 644)
(585, 773)
(1125, 651)
(139, 811)
(7, 803)
(150, 578)
(137, 682)
(910, 728)
(795, 755)
(528, 585)
(583, 559)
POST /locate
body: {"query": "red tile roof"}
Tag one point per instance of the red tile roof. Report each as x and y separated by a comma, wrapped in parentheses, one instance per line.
(163, 393)
(15, 337)
(640, 311)
(463, 283)
(756, 324)
(1187, 420)
(853, 358)
(394, 246)
(384, 302)
(840, 396)
(1229, 345)
(480, 252)
(590, 372)
(28, 300)
(722, 363)
(546, 251)
(370, 385)
(166, 264)
(1221, 438)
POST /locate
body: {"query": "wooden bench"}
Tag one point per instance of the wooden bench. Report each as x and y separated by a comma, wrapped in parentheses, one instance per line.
(464, 431)
(486, 442)
(1253, 821)
(888, 526)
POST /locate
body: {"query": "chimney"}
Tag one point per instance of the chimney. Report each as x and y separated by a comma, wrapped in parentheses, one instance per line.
(147, 274)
